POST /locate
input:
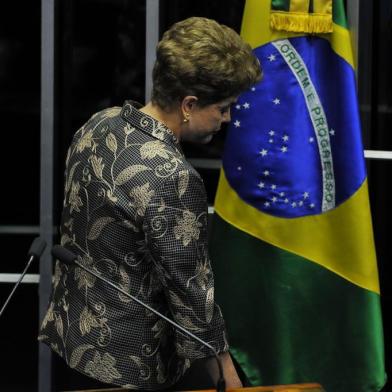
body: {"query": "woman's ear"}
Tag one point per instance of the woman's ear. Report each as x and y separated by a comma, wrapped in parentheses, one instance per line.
(188, 105)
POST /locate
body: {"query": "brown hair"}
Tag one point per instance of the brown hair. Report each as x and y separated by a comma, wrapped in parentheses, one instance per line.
(199, 56)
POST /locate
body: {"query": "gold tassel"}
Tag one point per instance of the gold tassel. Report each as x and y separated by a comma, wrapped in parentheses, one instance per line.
(301, 23)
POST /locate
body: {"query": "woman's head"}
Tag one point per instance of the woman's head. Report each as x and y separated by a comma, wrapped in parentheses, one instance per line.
(202, 58)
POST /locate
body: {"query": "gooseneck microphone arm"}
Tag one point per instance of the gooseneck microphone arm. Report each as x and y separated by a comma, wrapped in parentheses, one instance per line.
(36, 249)
(68, 258)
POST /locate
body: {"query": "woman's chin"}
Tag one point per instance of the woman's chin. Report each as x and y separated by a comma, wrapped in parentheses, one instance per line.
(207, 138)
(200, 138)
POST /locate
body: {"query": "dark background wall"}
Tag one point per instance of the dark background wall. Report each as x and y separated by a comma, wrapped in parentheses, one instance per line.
(100, 62)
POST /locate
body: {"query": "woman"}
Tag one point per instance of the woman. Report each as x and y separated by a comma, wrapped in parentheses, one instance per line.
(136, 211)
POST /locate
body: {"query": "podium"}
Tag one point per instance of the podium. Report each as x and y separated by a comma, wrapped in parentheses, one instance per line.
(272, 388)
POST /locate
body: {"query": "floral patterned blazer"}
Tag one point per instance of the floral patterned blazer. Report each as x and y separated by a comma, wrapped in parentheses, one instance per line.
(135, 211)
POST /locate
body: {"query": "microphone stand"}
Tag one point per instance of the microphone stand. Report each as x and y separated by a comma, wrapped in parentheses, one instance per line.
(60, 253)
(36, 249)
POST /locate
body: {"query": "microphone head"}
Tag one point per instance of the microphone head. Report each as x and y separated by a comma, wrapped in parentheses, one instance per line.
(63, 254)
(37, 247)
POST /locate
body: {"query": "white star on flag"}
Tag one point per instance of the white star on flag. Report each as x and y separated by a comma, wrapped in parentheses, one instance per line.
(311, 140)
(294, 204)
(261, 185)
(266, 173)
(274, 199)
(285, 138)
(281, 194)
(238, 107)
(306, 195)
(271, 140)
(271, 133)
(273, 186)
(239, 168)
(283, 149)
(276, 101)
(246, 105)
(263, 152)
(271, 57)
(237, 123)
(253, 88)
(332, 132)
(286, 200)
(301, 203)
(267, 204)
(312, 205)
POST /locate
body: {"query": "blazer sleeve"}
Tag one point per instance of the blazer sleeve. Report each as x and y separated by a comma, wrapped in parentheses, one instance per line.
(176, 231)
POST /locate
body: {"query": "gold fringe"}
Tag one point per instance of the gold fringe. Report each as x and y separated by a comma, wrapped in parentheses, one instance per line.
(301, 23)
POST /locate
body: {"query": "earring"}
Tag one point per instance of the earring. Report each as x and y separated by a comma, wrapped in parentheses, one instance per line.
(186, 119)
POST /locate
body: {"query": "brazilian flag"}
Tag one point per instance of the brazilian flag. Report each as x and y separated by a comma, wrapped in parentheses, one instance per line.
(292, 242)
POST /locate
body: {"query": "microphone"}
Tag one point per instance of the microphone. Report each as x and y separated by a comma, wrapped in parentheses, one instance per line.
(37, 247)
(68, 258)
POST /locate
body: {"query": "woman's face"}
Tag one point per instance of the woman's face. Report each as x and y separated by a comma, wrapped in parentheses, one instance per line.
(206, 121)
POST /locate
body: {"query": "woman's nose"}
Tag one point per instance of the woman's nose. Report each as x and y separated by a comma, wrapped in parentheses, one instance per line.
(227, 116)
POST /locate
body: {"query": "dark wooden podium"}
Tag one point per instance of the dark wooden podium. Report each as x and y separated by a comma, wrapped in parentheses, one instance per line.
(272, 388)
